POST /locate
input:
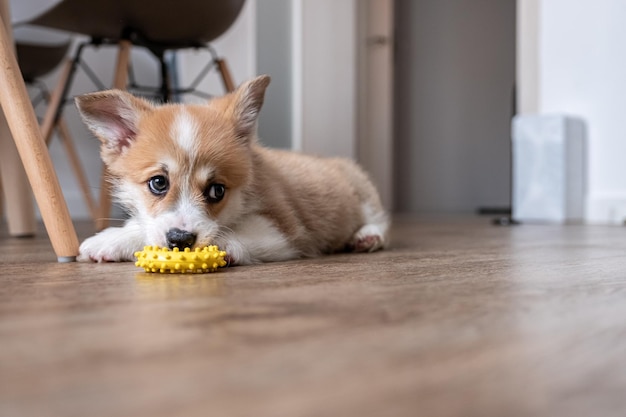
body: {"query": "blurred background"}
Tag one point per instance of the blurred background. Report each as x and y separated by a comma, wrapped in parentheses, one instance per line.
(421, 92)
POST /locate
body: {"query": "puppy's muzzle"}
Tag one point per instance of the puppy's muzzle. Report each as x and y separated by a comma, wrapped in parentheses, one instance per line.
(181, 239)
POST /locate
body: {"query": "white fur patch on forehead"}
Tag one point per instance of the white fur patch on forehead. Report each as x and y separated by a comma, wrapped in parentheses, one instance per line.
(185, 131)
(168, 163)
(204, 173)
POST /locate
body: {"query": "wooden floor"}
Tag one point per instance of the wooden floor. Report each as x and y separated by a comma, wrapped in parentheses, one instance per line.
(458, 318)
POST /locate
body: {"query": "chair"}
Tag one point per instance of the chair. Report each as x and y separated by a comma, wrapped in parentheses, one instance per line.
(158, 26)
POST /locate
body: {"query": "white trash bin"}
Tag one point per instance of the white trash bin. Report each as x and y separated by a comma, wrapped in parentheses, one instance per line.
(548, 169)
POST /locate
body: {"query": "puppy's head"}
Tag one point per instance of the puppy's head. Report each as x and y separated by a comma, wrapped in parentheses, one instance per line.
(180, 170)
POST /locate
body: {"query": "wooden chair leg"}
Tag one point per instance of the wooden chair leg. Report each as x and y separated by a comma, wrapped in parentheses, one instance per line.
(120, 81)
(55, 101)
(18, 198)
(33, 152)
(79, 172)
(227, 79)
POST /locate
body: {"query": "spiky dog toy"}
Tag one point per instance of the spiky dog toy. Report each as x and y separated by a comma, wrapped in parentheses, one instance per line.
(164, 260)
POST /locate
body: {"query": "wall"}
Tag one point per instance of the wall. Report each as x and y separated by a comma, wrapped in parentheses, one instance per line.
(581, 72)
(455, 72)
(309, 47)
(325, 77)
(274, 46)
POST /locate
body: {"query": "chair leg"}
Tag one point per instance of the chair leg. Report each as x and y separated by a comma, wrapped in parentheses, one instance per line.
(55, 101)
(166, 88)
(227, 79)
(34, 154)
(79, 172)
(120, 81)
(18, 198)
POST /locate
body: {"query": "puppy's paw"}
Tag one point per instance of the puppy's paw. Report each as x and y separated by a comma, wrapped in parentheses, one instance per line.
(235, 253)
(110, 245)
(99, 249)
(230, 260)
(369, 238)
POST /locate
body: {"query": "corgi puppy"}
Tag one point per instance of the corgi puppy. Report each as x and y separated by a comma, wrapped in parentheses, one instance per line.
(196, 175)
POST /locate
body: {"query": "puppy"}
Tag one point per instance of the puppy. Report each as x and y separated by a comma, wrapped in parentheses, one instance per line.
(194, 175)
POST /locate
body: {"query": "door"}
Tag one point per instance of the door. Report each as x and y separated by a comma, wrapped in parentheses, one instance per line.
(455, 73)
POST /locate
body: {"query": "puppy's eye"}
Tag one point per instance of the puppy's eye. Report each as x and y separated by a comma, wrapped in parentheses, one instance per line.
(158, 185)
(215, 193)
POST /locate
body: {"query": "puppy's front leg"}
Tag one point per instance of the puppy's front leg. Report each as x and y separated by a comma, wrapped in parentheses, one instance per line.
(255, 239)
(115, 244)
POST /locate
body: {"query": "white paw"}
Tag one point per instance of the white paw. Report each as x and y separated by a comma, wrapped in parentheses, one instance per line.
(369, 238)
(236, 254)
(115, 244)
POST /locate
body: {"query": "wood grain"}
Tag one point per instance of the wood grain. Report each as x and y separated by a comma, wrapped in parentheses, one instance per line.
(458, 318)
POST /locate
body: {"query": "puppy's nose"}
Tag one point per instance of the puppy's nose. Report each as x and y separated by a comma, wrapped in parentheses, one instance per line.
(181, 239)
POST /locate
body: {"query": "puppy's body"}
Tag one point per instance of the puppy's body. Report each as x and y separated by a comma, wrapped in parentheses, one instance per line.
(195, 175)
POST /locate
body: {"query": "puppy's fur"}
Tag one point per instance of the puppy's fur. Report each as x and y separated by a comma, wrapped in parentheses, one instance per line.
(193, 175)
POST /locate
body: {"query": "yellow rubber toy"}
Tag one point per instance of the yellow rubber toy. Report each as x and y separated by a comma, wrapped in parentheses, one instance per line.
(164, 260)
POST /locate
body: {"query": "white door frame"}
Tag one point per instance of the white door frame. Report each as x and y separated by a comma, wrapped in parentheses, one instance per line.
(375, 94)
(527, 56)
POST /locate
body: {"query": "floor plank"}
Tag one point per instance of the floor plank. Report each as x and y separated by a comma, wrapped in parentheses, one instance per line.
(459, 317)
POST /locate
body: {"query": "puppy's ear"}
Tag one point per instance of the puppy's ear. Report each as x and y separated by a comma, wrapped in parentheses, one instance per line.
(248, 99)
(113, 116)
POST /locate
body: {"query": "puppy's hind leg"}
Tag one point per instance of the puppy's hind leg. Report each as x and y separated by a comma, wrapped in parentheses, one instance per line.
(372, 236)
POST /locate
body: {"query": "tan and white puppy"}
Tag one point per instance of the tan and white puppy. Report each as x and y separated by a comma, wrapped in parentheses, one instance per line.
(194, 175)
